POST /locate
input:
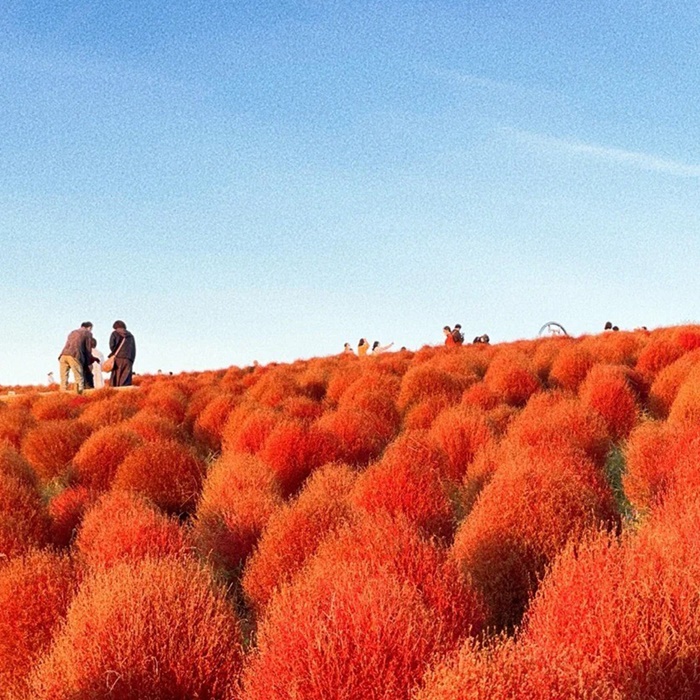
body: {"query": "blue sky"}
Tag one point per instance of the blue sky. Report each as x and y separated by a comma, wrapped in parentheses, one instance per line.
(264, 181)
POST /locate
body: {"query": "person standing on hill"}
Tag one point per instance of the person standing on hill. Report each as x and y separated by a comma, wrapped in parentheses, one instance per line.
(457, 334)
(378, 349)
(75, 355)
(123, 346)
(362, 347)
(449, 337)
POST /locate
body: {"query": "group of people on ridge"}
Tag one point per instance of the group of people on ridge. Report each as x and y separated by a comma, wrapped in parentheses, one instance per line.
(364, 349)
(81, 356)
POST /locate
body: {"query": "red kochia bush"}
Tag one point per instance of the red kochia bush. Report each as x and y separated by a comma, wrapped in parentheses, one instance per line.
(59, 406)
(359, 436)
(124, 526)
(150, 629)
(658, 353)
(151, 427)
(210, 422)
(685, 410)
(15, 421)
(511, 376)
(247, 428)
(35, 590)
(667, 383)
(460, 432)
(423, 382)
(66, 510)
(23, 521)
(570, 367)
(294, 531)
(623, 616)
(239, 495)
(607, 391)
(13, 464)
(167, 472)
(409, 480)
(294, 450)
(97, 460)
(362, 620)
(109, 409)
(537, 499)
(51, 445)
(557, 419)
(653, 454)
(167, 400)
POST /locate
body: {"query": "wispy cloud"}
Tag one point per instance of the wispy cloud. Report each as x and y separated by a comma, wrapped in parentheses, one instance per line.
(503, 87)
(633, 159)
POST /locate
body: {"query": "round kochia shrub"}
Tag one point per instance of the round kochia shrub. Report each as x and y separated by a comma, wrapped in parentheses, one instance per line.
(410, 480)
(363, 619)
(536, 501)
(23, 520)
(512, 377)
(294, 450)
(150, 629)
(294, 531)
(51, 445)
(15, 421)
(166, 472)
(124, 526)
(35, 590)
(607, 391)
(96, 461)
(239, 495)
(66, 510)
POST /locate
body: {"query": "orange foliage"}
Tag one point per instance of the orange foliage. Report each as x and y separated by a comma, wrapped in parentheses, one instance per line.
(210, 422)
(607, 391)
(151, 427)
(13, 464)
(423, 382)
(167, 400)
(512, 378)
(239, 495)
(124, 526)
(97, 460)
(685, 410)
(480, 396)
(15, 421)
(35, 590)
(460, 432)
(66, 510)
(668, 381)
(570, 367)
(359, 436)
(166, 472)
(294, 450)
(294, 531)
(247, 428)
(362, 620)
(409, 480)
(421, 415)
(58, 406)
(51, 445)
(558, 419)
(658, 353)
(150, 629)
(109, 408)
(535, 502)
(23, 521)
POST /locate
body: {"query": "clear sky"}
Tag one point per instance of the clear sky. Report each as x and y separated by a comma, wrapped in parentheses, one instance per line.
(266, 180)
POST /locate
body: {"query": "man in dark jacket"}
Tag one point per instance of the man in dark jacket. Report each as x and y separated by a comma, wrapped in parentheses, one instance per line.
(123, 346)
(75, 356)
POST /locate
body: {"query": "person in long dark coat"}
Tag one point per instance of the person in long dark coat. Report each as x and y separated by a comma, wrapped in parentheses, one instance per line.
(123, 346)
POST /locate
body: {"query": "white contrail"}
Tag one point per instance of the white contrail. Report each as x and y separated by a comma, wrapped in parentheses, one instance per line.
(637, 159)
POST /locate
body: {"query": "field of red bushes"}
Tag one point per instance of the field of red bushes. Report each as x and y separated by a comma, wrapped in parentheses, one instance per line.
(488, 521)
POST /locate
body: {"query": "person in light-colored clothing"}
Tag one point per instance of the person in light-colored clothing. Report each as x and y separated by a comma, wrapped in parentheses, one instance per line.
(97, 376)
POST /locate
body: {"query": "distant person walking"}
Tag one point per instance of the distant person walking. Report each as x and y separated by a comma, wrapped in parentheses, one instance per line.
(378, 349)
(98, 380)
(457, 334)
(123, 346)
(75, 355)
(347, 350)
(362, 347)
(449, 338)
